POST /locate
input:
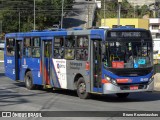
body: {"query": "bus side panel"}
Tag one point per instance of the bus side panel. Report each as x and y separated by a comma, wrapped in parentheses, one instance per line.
(23, 70)
(54, 81)
(36, 71)
(32, 64)
(74, 68)
(10, 67)
(59, 76)
(36, 77)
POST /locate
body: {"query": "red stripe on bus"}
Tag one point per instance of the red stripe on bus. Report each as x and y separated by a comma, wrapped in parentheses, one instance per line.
(125, 80)
(46, 76)
(104, 81)
(40, 66)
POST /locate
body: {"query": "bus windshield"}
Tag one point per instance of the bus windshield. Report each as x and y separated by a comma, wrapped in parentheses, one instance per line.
(127, 54)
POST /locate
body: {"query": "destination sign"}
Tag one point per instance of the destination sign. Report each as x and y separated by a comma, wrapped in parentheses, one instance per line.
(122, 34)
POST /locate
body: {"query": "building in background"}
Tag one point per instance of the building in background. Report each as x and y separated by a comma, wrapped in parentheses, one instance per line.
(141, 2)
(154, 27)
(132, 22)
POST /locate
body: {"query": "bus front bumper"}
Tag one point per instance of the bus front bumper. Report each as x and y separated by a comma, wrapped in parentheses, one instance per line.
(109, 88)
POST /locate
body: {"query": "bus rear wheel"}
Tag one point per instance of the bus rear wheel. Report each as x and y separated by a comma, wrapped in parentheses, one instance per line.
(81, 89)
(29, 81)
(122, 95)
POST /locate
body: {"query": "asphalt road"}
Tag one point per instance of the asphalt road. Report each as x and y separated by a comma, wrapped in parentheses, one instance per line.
(14, 96)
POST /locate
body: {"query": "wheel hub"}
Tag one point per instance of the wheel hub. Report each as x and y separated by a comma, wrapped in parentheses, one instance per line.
(82, 88)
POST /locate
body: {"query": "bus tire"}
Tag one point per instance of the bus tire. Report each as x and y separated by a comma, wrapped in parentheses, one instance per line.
(122, 95)
(81, 89)
(29, 81)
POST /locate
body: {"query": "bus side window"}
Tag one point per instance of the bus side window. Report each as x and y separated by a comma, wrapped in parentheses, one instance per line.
(48, 49)
(27, 47)
(58, 47)
(10, 44)
(82, 48)
(36, 47)
(69, 54)
(69, 47)
(70, 42)
(82, 54)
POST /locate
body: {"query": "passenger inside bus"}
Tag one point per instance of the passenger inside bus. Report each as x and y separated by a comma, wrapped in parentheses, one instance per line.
(10, 51)
(69, 54)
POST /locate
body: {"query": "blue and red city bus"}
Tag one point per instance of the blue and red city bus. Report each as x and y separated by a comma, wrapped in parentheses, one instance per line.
(101, 61)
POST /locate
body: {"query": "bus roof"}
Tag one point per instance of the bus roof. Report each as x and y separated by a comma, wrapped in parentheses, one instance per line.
(127, 28)
(95, 33)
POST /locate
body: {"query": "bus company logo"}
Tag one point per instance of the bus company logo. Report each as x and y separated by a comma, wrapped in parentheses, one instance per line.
(60, 66)
(6, 114)
(9, 61)
(144, 79)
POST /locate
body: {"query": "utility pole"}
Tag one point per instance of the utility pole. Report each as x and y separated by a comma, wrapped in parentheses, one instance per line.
(62, 15)
(19, 21)
(34, 16)
(119, 12)
(134, 9)
(88, 15)
(104, 13)
(1, 27)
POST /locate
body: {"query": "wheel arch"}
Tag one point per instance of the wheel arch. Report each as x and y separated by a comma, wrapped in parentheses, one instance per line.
(28, 69)
(78, 75)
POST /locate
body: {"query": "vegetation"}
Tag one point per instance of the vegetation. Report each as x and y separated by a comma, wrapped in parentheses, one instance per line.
(127, 10)
(48, 12)
(18, 15)
(1, 55)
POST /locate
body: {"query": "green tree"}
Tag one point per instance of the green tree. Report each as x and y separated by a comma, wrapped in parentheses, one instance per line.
(47, 13)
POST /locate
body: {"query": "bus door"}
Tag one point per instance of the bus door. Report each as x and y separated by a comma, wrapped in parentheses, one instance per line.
(45, 62)
(96, 65)
(18, 59)
(13, 58)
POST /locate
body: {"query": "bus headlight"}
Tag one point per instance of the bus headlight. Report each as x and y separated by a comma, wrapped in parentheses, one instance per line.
(114, 81)
(151, 79)
(109, 79)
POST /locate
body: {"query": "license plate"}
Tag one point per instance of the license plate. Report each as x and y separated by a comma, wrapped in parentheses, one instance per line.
(133, 87)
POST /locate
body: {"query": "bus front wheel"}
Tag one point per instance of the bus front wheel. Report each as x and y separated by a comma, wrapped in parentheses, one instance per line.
(122, 95)
(29, 80)
(81, 89)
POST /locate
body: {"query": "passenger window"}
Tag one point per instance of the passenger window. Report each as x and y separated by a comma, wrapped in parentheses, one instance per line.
(70, 47)
(36, 47)
(58, 53)
(10, 45)
(82, 41)
(82, 48)
(36, 42)
(48, 49)
(69, 54)
(82, 54)
(59, 42)
(70, 42)
(59, 48)
(27, 47)
(36, 52)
